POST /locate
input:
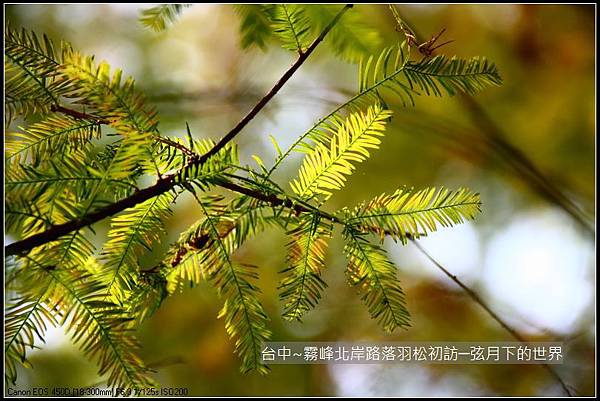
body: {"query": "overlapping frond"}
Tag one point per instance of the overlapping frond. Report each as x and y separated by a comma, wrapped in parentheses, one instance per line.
(132, 233)
(235, 222)
(160, 17)
(124, 163)
(61, 190)
(205, 251)
(326, 167)
(75, 299)
(32, 84)
(375, 277)
(146, 297)
(74, 177)
(25, 320)
(49, 139)
(195, 174)
(115, 101)
(23, 216)
(113, 98)
(407, 213)
(72, 186)
(245, 318)
(291, 25)
(100, 328)
(301, 284)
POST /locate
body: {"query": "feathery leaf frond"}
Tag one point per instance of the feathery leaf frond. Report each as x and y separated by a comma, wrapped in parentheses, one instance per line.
(146, 297)
(301, 284)
(160, 17)
(245, 318)
(204, 251)
(392, 73)
(98, 327)
(291, 25)
(235, 222)
(255, 25)
(432, 75)
(116, 102)
(374, 275)
(201, 176)
(407, 213)
(58, 190)
(50, 138)
(369, 92)
(326, 167)
(32, 84)
(132, 233)
(25, 319)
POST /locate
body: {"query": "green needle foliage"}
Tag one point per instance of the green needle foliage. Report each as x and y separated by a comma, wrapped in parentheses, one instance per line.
(32, 84)
(291, 25)
(59, 174)
(325, 168)
(256, 27)
(296, 25)
(302, 285)
(160, 17)
(409, 214)
(131, 235)
(53, 136)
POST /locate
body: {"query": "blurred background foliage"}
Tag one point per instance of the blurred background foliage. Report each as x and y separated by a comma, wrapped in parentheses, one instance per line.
(526, 255)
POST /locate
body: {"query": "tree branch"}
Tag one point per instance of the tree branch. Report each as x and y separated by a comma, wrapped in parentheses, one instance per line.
(168, 182)
(288, 74)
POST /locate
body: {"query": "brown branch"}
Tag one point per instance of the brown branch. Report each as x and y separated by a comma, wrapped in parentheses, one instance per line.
(78, 114)
(168, 182)
(477, 299)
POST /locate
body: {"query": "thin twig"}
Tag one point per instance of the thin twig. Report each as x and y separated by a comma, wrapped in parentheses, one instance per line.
(85, 116)
(168, 182)
(288, 74)
(176, 145)
(477, 299)
(78, 114)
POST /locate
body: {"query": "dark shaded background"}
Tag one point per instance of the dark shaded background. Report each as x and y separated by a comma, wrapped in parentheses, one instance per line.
(526, 255)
